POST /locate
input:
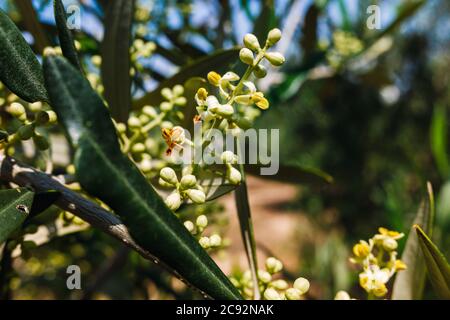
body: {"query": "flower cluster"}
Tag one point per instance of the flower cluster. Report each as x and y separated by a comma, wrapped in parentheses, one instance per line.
(28, 118)
(345, 44)
(378, 259)
(270, 284)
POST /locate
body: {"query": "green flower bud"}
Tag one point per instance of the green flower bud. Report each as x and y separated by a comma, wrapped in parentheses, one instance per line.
(233, 175)
(180, 101)
(134, 122)
(201, 221)
(260, 71)
(188, 181)
(215, 240)
(150, 111)
(196, 196)
(173, 201)
(342, 295)
(390, 244)
(228, 157)
(41, 142)
(279, 284)
(25, 132)
(138, 148)
(166, 106)
(35, 106)
(150, 144)
(225, 110)
(271, 294)
(121, 128)
(52, 117)
(145, 165)
(302, 285)
(293, 294)
(41, 118)
(251, 42)
(168, 175)
(204, 242)
(274, 36)
(17, 110)
(143, 118)
(273, 265)
(189, 225)
(275, 58)
(246, 56)
(264, 276)
(167, 93)
(165, 184)
(178, 90)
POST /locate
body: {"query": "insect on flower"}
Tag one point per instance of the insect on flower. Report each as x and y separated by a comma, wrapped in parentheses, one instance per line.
(174, 137)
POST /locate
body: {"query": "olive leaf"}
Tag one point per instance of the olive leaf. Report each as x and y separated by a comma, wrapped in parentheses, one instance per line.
(437, 266)
(104, 172)
(20, 70)
(15, 206)
(409, 284)
(65, 35)
(115, 67)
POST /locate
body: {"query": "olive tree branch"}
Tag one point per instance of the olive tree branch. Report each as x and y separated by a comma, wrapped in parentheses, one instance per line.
(11, 170)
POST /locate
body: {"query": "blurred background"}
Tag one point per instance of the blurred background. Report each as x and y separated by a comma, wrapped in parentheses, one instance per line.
(365, 108)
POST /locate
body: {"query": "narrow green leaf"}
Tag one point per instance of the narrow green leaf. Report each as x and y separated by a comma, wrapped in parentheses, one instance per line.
(115, 67)
(198, 68)
(437, 266)
(15, 206)
(65, 35)
(409, 284)
(438, 138)
(20, 70)
(106, 173)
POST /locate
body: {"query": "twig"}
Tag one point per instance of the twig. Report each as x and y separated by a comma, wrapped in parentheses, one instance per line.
(11, 170)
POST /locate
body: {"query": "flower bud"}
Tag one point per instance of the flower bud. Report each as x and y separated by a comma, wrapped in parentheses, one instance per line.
(274, 36)
(168, 175)
(35, 106)
(264, 276)
(225, 110)
(293, 294)
(138, 148)
(178, 90)
(167, 93)
(41, 118)
(166, 106)
(165, 184)
(233, 175)
(275, 58)
(52, 117)
(145, 165)
(279, 284)
(302, 285)
(173, 201)
(215, 240)
(204, 242)
(260, 71)
(228, 157)
(96, 60)
(134, 122)
(251, 42)
(342, 295)
(189, 225)
(390, 244)
(246, 56)
(214, 78)
(41, 142)
(25, 132)
(149, 111)
(188, 181)
(196, 196)
(180, 101)
(271, 294)
(201, 221)
(273, 265)
(17, 110)
(49, 51)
